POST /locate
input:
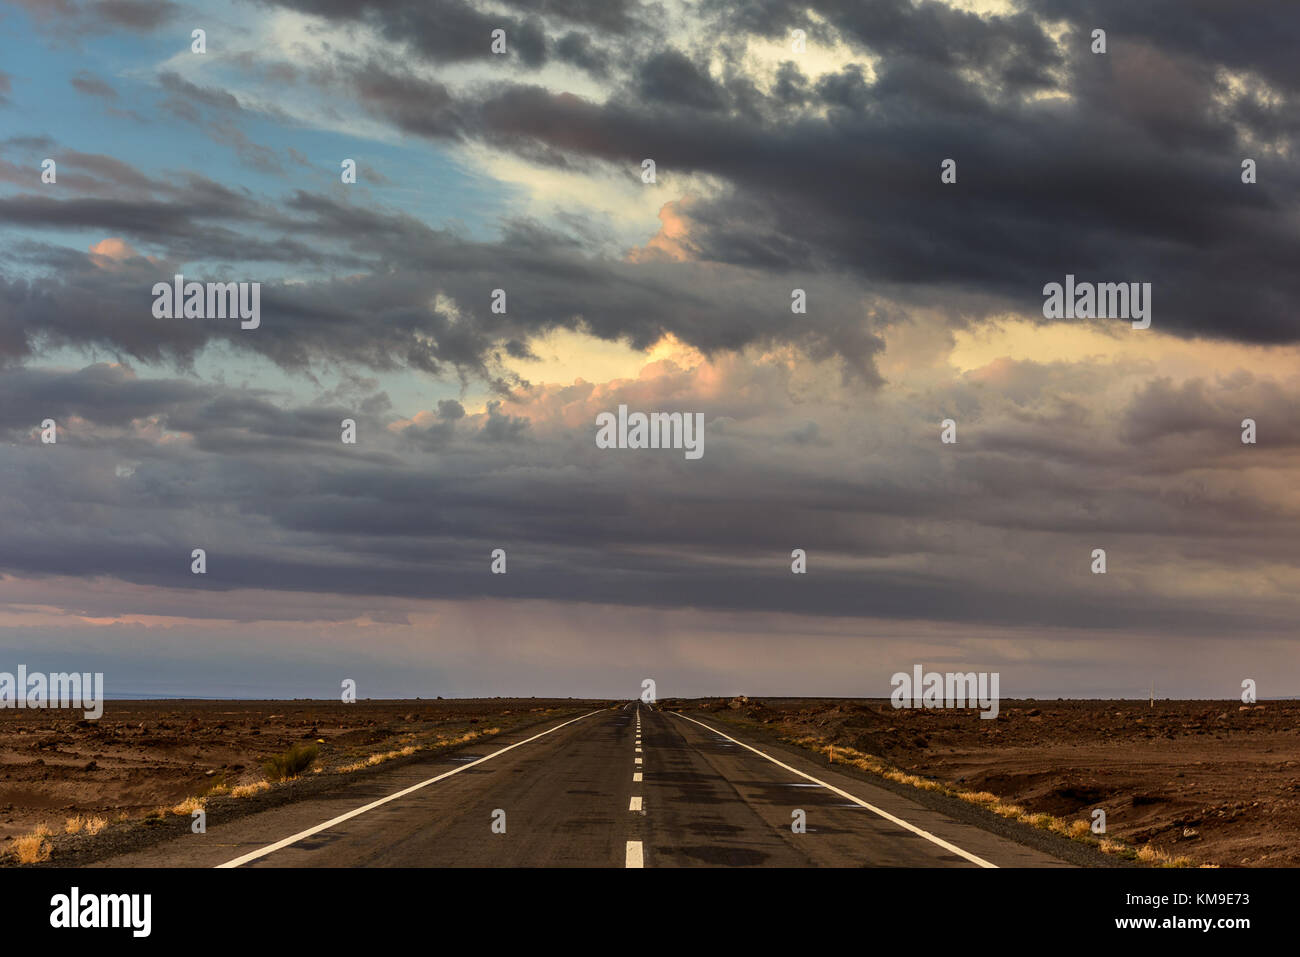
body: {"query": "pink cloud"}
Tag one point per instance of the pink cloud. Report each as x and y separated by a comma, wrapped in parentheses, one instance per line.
(112, 252)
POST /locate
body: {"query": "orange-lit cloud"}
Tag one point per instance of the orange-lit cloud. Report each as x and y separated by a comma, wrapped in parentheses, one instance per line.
(673, 241)
(112, 252)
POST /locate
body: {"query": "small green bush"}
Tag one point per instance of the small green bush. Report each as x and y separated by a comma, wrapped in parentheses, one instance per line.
(290, 764)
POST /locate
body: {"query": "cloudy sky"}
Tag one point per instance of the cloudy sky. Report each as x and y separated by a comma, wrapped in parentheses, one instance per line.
(776, 169)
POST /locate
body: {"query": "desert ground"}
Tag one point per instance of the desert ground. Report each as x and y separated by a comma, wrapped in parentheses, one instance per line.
(1192, 782)
(1208, 782)
(66, 776)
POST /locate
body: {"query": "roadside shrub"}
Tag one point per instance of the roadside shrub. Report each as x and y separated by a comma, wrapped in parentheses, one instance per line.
(32, 848)
(282, 767)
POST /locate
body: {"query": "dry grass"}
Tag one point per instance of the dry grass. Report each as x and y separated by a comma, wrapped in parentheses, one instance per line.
(374, 759)
(32, 848)
(467, 736)
(1075, 830)
(91, 825)
(440, 742)
(189, 806)
(1079, 830)
(1151, 854)
(247, 790)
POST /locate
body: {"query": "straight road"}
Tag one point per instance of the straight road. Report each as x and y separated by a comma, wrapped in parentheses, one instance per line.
(625, 787)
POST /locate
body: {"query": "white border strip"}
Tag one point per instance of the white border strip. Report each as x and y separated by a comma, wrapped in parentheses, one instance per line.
(271, 848)
(856, 800)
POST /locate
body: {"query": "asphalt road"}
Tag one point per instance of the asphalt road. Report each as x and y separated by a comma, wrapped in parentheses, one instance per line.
(626, 787)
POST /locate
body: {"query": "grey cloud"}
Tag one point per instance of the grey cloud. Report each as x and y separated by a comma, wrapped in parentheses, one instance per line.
(396, 522)
(831, 185)
(100, 16)
(91, 85)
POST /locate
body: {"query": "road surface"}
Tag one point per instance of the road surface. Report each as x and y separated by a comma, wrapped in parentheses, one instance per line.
(626, 787)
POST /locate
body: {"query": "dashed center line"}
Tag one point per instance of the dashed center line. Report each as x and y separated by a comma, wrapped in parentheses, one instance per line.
(635, 858)
(635, 855)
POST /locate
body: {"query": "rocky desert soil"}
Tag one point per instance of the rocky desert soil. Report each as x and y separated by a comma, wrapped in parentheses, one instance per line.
(60, 771)
(1217, 782)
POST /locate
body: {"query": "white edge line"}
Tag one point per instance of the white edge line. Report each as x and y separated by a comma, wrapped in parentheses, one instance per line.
(271, 848)
(856, 800)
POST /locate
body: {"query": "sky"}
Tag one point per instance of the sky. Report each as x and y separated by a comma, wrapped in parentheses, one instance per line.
(783, 160)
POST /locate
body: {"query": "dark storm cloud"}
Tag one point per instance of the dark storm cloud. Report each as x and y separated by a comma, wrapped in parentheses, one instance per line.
(827, 183)
(442, 31)
(1163, 411)
(1131, 173)
(102, 394)
(413, 104)
(263, 487)
(1260, 36)
(604, 16)
(385, 319)
(578, 49)
(1013, 48)
(671, 77)
(1098, 188)
(156, 220)
(437, 435)
(459, 23)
